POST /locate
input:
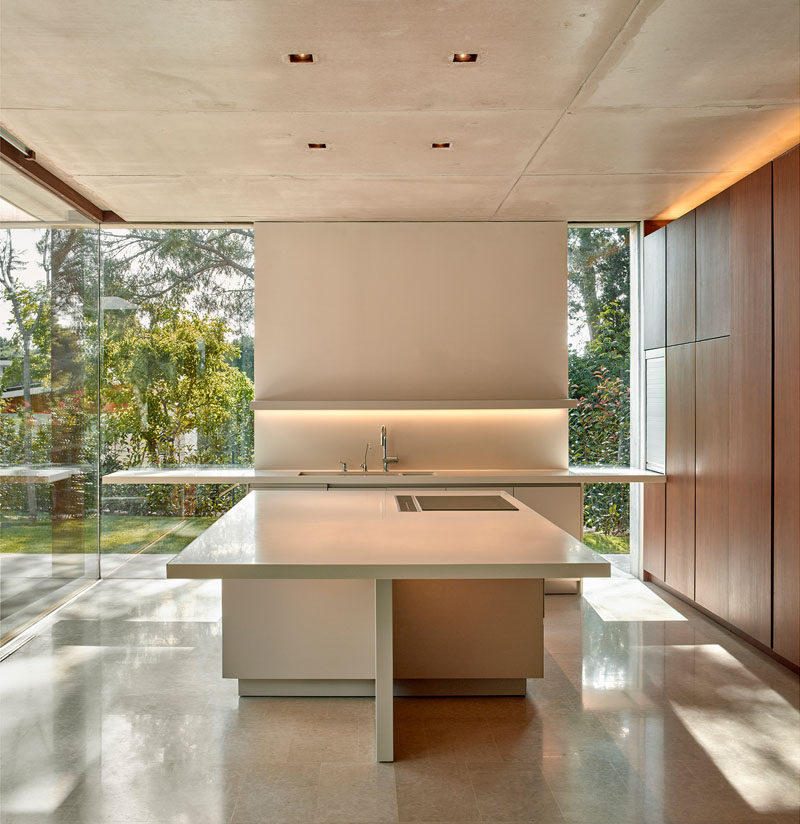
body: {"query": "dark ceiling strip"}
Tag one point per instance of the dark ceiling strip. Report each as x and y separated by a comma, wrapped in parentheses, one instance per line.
(36, 172)
(653, 225)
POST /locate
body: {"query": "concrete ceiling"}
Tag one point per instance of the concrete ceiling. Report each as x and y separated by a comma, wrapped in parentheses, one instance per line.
(188, 110)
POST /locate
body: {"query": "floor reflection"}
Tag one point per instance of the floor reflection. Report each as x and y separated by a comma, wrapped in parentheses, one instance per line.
(117, 712)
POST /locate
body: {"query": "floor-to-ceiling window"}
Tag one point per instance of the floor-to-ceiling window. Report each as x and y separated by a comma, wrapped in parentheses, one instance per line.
(599, 328)
(177, 381)
(48, 418)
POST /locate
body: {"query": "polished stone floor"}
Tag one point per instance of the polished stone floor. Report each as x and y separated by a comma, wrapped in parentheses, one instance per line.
(648, 712)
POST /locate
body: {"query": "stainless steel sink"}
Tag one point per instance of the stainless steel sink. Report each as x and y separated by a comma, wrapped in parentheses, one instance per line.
(359, 473)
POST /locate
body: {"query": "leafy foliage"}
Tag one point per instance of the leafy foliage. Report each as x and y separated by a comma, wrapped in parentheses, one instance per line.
(209, 271)
(178, 358)
(169, 379)
(599, 373)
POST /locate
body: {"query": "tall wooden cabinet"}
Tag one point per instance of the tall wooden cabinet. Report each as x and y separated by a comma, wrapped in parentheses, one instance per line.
(713, 277)
(731, 516)
(681, 279)
(750, 480)
(712, 402)
(786, 394)
(679, 533)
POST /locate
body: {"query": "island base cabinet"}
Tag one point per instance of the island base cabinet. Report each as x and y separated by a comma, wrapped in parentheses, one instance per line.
(468, 628)
(298, 629)
(317, 637)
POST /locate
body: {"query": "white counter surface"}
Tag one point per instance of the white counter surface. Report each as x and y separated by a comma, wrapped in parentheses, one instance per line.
(413, 478)
(362, 534)
(38, 474)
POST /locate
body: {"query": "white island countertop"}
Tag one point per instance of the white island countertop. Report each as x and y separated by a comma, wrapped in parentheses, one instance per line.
(410, 477)
(363, 534)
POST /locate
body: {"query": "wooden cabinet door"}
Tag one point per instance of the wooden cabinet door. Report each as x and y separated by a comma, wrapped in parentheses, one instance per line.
(786, 468)
(712, 396)
(680, 280)
(653, 530)
(750, 479)
(654, 285)
(713, 276)
(679, 532)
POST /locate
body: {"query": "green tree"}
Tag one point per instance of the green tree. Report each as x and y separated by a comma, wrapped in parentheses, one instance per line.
(599, 370)
(207, 270)
(169, 402)
(169, 379)
(598, 266)
(30, 309)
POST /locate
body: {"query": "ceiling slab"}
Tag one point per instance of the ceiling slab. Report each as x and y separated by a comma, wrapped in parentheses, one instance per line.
(270, 143)
(599, 197)
(189, 110)
(237, 199)
(197, 55)
(688, 53)
(704, 139)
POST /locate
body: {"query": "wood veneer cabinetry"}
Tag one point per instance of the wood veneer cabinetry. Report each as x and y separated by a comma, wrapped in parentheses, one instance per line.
(679, 532)
(713, 279)
(750, 480)
(786, 466)
(744, 432)
(712, 399)
(654, 289)
(681, 279)
(653, 552)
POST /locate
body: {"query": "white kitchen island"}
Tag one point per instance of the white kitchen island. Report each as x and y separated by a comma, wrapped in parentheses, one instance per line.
(467, 605)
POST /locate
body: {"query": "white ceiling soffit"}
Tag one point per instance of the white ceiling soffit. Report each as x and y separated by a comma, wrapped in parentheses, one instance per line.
(579, 109)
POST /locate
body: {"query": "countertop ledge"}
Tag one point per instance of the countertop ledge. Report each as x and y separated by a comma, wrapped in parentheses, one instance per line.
(363, 534)
(449, 477)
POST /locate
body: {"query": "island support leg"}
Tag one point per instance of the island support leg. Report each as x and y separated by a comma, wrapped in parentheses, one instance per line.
(384, 672)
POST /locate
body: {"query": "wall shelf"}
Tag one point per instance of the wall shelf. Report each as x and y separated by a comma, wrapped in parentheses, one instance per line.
(559, 403)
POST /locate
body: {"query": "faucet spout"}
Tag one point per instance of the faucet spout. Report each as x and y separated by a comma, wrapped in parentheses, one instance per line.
(387, 459)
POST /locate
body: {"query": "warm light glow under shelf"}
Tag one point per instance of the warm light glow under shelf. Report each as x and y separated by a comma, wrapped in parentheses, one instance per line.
(781, 138)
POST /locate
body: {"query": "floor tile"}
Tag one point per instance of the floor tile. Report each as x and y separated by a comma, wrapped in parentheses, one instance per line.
(506, 792)
(278, 794)
(648, 714)
(433, 791)
(356, 794)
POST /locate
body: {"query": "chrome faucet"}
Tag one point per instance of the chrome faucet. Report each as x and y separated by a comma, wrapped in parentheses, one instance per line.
(366, 452)
(387, 459)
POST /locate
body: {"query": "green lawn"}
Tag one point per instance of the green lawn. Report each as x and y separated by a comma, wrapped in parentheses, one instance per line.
(607, 544)
(127, 534)
(119, 533)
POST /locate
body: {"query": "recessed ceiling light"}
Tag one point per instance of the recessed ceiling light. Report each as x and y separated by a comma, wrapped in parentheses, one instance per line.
(301, 58)
(440, 145)
(317, 145)
(464, 57)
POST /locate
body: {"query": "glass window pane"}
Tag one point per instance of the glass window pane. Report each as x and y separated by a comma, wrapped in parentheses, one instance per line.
(177, 381)
(48, 419)
(599, 374)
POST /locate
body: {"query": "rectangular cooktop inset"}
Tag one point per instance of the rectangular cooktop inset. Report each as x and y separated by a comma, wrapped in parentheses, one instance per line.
(454, 503)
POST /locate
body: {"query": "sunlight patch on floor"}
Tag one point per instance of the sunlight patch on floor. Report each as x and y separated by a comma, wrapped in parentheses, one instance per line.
(747, 729)
(626, 599)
